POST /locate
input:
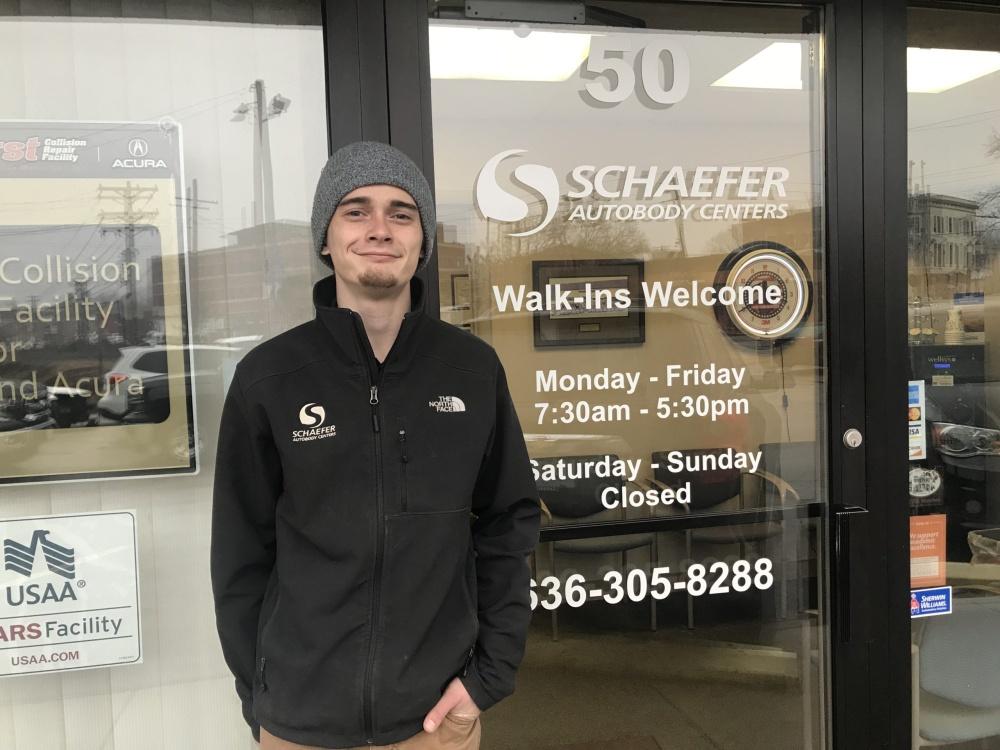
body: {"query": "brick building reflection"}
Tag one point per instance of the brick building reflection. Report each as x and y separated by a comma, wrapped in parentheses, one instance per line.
(258, 285)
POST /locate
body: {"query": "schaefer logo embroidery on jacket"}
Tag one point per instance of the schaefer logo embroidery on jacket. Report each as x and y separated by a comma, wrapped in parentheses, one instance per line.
(447, 403)
(313, 416)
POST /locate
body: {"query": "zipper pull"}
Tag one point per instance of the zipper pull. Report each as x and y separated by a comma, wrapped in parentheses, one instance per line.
(468, 661)
(402, 444)
(373, 400)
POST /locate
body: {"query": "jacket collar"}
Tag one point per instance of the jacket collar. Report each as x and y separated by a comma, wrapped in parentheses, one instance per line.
(347, 328)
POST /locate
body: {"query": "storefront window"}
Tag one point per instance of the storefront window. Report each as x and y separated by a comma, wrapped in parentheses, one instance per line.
(611, 198)
(953, 288)
(156, 176)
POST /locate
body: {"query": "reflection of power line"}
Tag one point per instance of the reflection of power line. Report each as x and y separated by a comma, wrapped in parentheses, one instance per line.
(942, 124)
(128, 218)
(170, 113)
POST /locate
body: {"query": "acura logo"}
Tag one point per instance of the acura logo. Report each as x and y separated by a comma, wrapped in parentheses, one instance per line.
(496, 203)
(138, 148)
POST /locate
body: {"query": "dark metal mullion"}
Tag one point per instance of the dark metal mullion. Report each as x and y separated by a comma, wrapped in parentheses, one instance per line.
(886, 242)
(355, 72)
(409, 102)
(851, 680)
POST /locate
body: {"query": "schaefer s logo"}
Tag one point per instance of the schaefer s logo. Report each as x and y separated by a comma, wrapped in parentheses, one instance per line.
(313, 416)
(496, 203)
(20, 558)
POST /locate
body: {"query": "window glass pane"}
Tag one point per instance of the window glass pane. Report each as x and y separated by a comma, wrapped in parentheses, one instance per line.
(597, 186)
(174, 156)
(953, 83)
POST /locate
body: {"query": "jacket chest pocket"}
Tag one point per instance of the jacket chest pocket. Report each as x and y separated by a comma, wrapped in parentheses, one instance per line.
(438, 461)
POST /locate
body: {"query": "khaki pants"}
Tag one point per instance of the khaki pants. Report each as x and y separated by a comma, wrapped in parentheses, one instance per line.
(457, 732)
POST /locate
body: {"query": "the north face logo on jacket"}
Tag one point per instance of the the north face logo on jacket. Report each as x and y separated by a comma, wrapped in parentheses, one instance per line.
(447, 403)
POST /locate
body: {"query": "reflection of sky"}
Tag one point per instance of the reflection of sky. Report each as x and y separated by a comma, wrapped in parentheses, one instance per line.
(474, 119)
(951, 132)
(196, 73)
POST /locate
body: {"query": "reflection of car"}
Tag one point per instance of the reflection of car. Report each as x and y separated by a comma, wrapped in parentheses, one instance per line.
(148, 364)
(144, 366)
(18, 413)
(68, 405)
(962, 422)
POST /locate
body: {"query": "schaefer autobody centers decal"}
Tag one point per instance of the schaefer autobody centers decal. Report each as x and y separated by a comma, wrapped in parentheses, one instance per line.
(70, 593)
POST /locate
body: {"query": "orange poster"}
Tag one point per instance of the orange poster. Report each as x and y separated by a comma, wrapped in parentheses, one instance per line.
(927, 551)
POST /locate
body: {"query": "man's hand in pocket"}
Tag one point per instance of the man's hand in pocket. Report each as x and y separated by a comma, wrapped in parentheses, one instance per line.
(455, 699)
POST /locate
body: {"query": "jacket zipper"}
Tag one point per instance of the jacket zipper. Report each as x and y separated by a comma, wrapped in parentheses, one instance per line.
(404, 460)
(468, 660)
(369, 703)
(263, 679)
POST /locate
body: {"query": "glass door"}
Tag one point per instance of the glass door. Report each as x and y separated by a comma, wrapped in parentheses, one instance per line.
(632, 212)
(953, 287)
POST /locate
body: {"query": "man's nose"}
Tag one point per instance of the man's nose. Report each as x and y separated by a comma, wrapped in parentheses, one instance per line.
(378, 228)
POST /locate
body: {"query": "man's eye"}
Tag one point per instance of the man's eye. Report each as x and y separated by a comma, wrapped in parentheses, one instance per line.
(404, 216)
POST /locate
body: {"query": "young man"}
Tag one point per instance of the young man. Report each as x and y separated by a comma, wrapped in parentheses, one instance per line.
(374, 503)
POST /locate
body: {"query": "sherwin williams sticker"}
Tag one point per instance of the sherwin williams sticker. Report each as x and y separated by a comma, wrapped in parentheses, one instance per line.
(930, 602)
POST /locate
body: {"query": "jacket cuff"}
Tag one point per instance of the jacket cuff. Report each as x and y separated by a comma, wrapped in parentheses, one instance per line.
(476, 689)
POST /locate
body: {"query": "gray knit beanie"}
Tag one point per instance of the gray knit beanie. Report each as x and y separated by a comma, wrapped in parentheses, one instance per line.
(370, 163)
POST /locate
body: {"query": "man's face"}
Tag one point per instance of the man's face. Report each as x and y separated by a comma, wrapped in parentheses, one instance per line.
(374, 238)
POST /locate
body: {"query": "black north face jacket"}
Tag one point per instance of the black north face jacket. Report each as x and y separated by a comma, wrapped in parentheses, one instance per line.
(370, 528)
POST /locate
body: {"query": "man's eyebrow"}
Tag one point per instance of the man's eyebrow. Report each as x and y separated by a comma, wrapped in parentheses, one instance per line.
(402, 204)
(360, 201)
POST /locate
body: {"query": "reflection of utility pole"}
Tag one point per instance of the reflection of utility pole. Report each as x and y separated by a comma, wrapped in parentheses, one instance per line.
(80, 293)
(263, 182)
(679, 221)
(193, 205)
(33, 300)
(128, 217)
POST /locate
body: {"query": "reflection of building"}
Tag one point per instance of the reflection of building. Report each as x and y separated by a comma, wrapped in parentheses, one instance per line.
(453, 275)
(944, 241)
(798, 231)
(258, 285)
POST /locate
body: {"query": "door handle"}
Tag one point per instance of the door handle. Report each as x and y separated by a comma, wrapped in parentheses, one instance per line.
(844, 517)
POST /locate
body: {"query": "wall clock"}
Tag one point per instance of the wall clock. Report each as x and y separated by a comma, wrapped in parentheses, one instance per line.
(764, 264)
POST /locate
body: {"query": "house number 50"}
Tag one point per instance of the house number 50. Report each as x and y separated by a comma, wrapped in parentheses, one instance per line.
(605, 59)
